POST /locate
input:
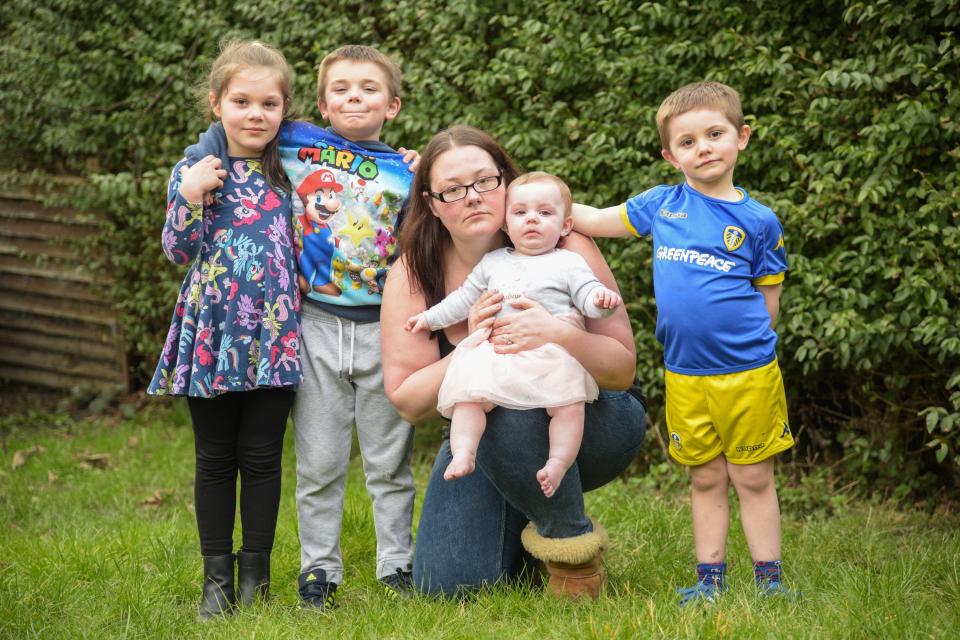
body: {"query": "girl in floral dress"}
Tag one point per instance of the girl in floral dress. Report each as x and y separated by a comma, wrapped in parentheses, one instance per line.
(233, 344)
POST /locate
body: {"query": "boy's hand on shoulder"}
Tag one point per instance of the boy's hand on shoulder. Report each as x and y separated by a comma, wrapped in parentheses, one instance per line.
(203, 177)
(607, 299)
(410, 157)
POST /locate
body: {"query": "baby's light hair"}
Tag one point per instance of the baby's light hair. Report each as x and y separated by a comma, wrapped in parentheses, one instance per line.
(237, 56)
(543, 176)
(360, 53)
(707, 94)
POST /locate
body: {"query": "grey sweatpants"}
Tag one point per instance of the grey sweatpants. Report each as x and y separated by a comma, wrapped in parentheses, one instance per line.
(342, 385)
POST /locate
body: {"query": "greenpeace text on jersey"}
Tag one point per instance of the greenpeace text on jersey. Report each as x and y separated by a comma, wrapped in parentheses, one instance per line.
(690, 256)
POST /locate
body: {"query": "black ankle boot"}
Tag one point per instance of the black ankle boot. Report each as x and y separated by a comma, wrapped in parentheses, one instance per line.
(218, 594)
(253, 577)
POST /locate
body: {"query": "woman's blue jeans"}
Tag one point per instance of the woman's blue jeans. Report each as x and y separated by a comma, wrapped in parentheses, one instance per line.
(469, 532)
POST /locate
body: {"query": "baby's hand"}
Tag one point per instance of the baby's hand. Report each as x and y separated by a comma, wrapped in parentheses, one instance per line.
(417, 323)
(205, 176)
(607, 299)
(410, 157)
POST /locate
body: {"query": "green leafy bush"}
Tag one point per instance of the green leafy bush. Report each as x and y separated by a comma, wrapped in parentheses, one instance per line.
(856, 116)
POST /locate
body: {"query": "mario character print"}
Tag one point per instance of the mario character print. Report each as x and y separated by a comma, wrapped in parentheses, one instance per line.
(319, 193)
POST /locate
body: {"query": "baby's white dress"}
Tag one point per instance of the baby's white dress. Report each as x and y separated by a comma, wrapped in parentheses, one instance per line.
(547, 376)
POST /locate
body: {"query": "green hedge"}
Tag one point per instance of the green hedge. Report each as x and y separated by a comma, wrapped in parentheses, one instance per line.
(856, 116)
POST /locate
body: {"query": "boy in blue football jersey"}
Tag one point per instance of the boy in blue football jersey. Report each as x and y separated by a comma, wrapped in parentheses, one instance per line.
(718, 269)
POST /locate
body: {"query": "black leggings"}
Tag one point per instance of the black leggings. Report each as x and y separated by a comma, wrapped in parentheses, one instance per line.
(238, 432)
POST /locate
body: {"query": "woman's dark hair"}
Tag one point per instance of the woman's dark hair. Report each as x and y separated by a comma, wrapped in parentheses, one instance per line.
(423, 238)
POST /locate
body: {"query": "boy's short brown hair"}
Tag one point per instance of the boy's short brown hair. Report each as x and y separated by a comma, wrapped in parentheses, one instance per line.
(543, 176)
(360, 53)
(699, 95)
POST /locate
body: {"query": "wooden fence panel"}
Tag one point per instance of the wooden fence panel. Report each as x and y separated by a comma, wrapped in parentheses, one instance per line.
(55, 328)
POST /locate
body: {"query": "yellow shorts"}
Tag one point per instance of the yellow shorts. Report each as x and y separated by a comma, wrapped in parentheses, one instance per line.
(741, 415)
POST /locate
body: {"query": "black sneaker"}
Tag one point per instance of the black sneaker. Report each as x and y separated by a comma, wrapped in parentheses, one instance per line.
(399, 584)
(316, 592)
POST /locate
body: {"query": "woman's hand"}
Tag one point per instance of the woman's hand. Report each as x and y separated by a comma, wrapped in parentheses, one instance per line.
(532, 327)
(203, 177)
(483, 310)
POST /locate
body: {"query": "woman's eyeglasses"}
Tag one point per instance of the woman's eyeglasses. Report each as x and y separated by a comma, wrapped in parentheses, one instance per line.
(459, 192)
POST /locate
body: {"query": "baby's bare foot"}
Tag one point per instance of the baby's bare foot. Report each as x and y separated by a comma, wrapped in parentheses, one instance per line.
(461, 465)
(551, 476)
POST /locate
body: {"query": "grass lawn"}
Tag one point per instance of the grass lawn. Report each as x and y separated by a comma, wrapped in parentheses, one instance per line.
(106, 547)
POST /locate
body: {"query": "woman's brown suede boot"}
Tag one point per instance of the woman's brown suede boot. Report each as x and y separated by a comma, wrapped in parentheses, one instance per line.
(574, 564)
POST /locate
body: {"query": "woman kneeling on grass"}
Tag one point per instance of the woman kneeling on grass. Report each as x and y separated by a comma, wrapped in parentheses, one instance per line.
(470, 528)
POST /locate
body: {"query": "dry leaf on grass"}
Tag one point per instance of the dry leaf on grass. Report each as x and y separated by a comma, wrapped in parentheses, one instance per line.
(154, 501)
(132, 441)
(51, 477)
(94, 460)
(20, 457)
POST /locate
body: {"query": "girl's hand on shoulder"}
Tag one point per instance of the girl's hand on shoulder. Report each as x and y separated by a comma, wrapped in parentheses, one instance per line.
(410, 157)
(531, 328)
(204, 176)
(483, 310)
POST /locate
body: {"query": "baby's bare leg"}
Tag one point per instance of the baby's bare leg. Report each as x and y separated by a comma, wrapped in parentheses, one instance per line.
(467, 424)
(566, 433)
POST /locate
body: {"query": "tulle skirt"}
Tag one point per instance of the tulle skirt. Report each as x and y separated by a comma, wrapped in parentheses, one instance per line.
(544, 377)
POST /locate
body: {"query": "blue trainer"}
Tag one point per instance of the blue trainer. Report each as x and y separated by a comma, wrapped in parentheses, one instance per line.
(775, 589)
(700, 593)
